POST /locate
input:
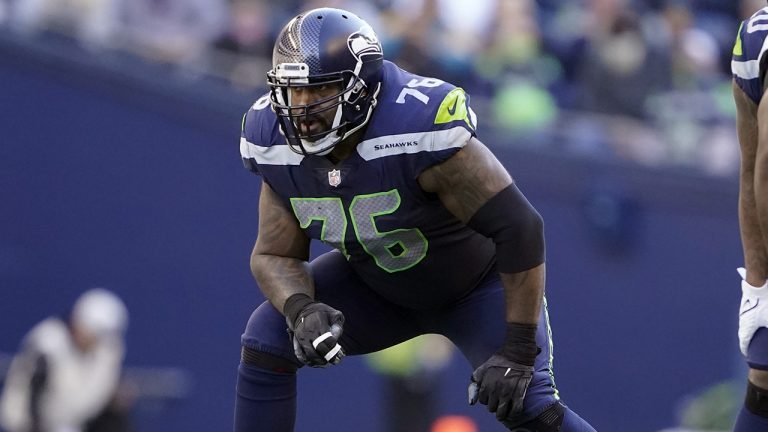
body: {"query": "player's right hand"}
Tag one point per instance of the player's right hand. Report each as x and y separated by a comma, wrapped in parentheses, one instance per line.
(753, 312)
(315, 333)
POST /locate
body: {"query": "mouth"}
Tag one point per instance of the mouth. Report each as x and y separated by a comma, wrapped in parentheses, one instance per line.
(311, 126)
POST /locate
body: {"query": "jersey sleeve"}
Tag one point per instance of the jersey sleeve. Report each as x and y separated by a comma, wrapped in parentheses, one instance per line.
(249, 162)
(426, 120)
(261, 142)
(748, 64)
(451, 125)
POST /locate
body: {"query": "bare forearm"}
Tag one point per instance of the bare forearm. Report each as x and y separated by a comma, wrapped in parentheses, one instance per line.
(281, 277)
(524, 294)
(750, 225)
(753, 217)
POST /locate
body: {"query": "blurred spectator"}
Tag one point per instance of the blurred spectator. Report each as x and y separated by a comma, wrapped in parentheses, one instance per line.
(689, 117)
(249, 30)
(172, 31)
(694, 54)
(92, 22)
(529, 65)
(438, 38)
(66, 374)
(465, 26)
(412, 26)
(246, 46)
(619, 69)
(519, 74)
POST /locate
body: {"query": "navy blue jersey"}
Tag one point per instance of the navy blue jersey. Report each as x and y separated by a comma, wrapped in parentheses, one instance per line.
(749, 59)
(399, 239)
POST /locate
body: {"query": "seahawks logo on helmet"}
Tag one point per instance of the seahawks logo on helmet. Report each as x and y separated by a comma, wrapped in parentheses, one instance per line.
(364, 42)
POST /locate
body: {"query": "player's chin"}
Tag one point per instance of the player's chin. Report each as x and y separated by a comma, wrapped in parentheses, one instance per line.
(315, 137)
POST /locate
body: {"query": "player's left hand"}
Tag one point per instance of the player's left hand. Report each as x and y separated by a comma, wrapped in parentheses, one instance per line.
(502, 381)
(501, 384)
(753, 311)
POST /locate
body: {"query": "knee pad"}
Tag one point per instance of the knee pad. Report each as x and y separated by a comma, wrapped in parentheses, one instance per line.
(266, 361)
(550, 420)
(757, 400)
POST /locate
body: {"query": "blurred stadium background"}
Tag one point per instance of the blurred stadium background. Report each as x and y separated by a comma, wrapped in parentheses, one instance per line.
(119, 167)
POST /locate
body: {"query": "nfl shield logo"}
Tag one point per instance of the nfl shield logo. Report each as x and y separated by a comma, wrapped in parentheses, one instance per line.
(334, 177)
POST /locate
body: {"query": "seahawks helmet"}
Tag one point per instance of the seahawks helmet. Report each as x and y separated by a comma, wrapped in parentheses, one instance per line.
(321, 49)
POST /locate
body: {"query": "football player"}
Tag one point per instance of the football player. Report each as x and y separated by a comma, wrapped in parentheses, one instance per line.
(429, 231)
(749, 83)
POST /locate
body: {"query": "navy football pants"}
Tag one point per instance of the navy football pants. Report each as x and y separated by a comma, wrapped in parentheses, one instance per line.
(475, 324)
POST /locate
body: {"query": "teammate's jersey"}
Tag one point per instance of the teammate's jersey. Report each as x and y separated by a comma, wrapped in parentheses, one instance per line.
(749, 59)
(401, 240)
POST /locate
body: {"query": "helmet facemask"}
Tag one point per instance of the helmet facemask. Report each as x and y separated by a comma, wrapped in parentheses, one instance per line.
(330, 113)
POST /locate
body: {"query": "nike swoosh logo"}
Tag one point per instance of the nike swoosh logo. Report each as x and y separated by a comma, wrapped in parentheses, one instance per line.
(452, 110)
(757, 301)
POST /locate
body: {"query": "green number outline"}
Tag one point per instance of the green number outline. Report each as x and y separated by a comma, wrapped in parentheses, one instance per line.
(324, 220)
(379, 234)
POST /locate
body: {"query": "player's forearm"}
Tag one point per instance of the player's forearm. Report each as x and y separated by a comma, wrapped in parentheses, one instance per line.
(756, 220)
(524, 294)
(748, 117)
(281, 277)
(753, 219)
(750, 228)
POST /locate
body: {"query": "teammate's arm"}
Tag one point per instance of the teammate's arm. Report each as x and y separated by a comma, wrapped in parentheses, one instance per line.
(475, 187)
(279, 265)
(753, 185)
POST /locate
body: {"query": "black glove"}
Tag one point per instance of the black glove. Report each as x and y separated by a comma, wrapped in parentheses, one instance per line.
(315, 329)
(501, 382)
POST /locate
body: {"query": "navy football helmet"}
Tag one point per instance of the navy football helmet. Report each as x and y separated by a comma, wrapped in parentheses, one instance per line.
(336, 56)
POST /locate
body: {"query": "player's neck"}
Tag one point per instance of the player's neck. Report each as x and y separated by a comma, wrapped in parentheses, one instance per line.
(345, 148)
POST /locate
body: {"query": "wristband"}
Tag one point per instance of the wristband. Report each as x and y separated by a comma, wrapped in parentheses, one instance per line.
(520, 344)
(294, 305)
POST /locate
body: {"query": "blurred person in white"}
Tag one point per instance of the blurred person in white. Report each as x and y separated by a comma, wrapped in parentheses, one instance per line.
(67, 371)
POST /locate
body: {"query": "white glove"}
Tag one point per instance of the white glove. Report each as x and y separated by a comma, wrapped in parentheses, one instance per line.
(753, 312)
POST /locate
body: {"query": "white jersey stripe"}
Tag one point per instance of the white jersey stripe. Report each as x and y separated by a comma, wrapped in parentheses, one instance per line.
(391, 145)
(273, 155)
(375, 148)
(745, 69)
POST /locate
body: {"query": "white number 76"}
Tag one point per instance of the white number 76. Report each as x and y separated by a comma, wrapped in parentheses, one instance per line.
(410, 90)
